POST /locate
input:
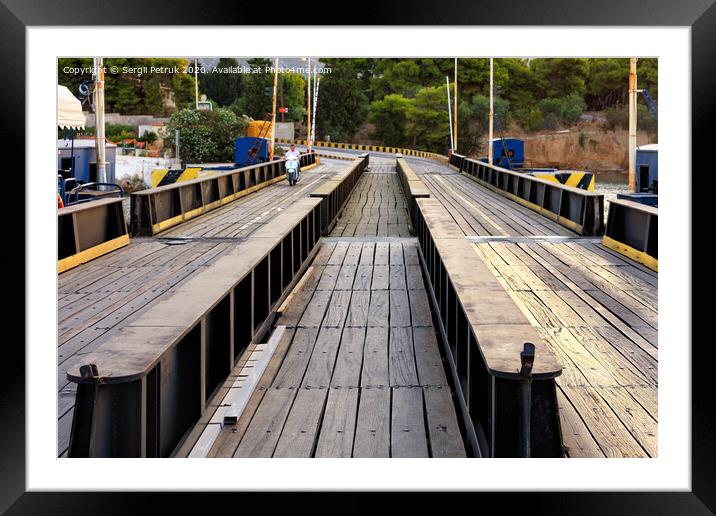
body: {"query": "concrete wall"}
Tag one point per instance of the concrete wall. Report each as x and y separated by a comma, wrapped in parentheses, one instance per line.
(135, 166)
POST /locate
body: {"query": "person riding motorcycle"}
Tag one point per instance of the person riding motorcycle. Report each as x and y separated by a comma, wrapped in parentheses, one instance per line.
(294, 153)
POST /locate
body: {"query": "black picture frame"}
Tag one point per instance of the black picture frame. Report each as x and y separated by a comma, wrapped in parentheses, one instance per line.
(700, 15)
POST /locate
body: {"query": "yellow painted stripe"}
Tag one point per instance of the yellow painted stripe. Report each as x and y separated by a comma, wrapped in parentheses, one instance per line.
(90, 254)
(630, 252)
(158, 175)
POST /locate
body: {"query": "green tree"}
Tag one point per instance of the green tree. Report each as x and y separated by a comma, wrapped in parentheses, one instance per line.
(294, 95)
(342, 103)
(220, 83)
(254, 100)
(205, 136)
(390, 116)
(429, 120)
(561, 77)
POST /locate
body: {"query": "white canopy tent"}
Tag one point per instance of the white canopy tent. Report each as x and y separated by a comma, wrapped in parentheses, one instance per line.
(69, 110)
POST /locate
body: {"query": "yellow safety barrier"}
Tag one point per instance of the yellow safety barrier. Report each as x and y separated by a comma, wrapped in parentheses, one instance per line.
(361, 147)
(583, 180)
(163, 176)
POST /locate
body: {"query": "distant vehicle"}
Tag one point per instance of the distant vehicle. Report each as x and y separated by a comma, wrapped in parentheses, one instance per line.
(292, 171)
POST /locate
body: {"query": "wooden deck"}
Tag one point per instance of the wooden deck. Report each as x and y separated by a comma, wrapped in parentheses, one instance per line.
(597, 310)
(96, 298)
(359, 371)
(376, 207)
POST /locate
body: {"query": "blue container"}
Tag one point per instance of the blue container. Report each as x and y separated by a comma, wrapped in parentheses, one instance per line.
(251, 150)
(508, 153)
(647, 168)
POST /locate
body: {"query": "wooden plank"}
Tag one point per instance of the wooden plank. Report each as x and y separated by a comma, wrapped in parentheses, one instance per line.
(379, 308)
(577, 440)
(399, 308)
(372, 437)
(381, 277)
(265, 429)
(313, 315)
(299, 435)
(428, 361)
(420, 313)
(358, 311)
(347, 372)
(613, 438)
(323, 358)
(290, 375)
(375, 358)
(339, 423)
(443, 428)
(397, 277)
(337, 309)
(401, 357)
(407, 436)
(363, 277)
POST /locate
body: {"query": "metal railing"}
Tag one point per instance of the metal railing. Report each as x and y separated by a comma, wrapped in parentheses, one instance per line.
(157, 209)
(413, 186)
(144, 388)
(577, 209)
(502, 370)
(633, 230)
(335, 192)
(89, 230)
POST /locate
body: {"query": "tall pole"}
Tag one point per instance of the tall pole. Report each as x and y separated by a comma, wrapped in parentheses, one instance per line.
(632, 124)
(273, 110)
(454, 131)
(315, 109)
(99, 118)
(308, 108)
(196, 84)
(447, 87)
(490, 155)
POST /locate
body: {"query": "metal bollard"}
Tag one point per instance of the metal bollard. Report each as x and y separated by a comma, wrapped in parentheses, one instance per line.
(527, 357)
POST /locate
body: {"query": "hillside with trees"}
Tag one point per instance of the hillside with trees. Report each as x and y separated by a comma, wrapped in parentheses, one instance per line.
(391, 101)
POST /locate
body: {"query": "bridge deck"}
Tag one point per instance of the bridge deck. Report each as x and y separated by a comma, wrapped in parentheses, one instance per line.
(97, 298)
(596, 309)
(359, 371)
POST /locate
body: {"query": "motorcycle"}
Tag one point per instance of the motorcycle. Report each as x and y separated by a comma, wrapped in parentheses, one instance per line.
(292, 171)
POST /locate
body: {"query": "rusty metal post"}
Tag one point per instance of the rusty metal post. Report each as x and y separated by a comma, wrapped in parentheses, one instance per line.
(632, 124)
(527, 357)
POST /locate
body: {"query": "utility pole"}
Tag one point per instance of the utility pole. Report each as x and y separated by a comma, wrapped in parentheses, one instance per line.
(632, 124)
(447, 87)
(283, 112)
(490, 156)
(308, 107)
(196, 84)
(455, 109)
(273, 111)
(99, 118)
(315, 109)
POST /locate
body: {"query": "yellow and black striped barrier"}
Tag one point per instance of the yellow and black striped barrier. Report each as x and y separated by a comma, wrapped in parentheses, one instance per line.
(583, 180)
(164, 176)
(365, 148)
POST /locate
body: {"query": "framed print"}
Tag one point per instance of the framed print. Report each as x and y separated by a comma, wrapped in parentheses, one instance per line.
(286, 254)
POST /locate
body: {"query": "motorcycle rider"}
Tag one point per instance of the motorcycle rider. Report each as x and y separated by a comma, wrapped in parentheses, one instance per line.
(294, 153)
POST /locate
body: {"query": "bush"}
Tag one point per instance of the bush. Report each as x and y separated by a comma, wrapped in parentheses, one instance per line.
(205, 136)
(534, 120)
(566, 110)
(582, 139)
